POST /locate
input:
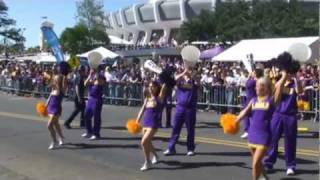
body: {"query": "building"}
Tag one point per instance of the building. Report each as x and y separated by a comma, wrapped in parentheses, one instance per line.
(158, 21)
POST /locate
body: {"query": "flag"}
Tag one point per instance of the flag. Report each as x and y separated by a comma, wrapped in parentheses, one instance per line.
(53, 42)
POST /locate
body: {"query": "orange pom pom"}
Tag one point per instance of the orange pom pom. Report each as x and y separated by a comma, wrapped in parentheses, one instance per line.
(42, 109)
(133, 127)
(228, 123)
(300, 105)
(306, 106)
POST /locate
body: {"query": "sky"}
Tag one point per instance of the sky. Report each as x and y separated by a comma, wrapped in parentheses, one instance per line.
(62, 13)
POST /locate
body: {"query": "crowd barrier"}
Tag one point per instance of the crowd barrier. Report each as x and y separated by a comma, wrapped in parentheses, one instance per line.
(216, 98)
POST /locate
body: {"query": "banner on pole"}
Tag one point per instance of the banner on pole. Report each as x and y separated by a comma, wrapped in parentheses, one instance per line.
(53, 42)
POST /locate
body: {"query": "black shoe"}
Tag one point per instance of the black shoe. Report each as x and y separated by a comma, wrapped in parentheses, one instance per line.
(67, 126)
(268, 169)
(82, 124)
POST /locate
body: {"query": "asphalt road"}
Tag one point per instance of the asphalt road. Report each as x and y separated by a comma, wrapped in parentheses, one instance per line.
(24, 141)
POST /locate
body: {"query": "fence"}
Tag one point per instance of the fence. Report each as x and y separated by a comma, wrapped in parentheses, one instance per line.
(218, 98)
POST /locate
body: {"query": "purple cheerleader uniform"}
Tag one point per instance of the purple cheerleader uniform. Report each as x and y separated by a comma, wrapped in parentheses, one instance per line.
(250, 93)
(54, 105)
(152, 114)
(259, 130)
(186, 111)
(284, 120)
(93, 109)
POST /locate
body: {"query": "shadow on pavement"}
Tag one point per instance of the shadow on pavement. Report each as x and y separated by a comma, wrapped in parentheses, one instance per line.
(203, 125)
(74, 146)
(299, 160)
(120, 138)
(191, 165)
(115, 127)
(309, 135)
(224, 153)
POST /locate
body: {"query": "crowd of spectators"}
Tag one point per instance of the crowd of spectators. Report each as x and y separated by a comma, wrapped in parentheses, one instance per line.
(120, 47)
(223, 84)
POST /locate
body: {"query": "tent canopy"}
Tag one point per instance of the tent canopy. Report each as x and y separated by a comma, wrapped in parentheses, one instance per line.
(210, 53)
(263, 49)
(106, 54)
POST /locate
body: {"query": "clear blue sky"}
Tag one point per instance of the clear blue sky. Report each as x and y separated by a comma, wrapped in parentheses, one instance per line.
(62, 13)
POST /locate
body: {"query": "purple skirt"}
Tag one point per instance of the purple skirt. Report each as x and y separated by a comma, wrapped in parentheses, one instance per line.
(54, 105)
(259, 138)
(151, 119)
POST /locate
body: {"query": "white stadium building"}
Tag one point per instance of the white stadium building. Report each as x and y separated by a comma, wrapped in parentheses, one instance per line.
(157, 21)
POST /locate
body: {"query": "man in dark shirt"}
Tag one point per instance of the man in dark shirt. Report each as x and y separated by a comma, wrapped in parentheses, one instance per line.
(79, 100)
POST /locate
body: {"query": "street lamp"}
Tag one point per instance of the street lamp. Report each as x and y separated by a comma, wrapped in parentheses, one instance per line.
(22, 40)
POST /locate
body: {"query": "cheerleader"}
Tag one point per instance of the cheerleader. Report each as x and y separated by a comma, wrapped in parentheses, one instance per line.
(95, 82)
(59, 86)
(261, 109)
(250, 93)
(284, 120)
(151, 110)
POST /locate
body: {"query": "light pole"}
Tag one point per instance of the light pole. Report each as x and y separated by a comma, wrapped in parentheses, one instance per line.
(22, 40)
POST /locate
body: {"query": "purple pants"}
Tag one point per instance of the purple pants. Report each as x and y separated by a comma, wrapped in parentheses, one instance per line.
(93, 109)
(246, 122)
(187, 116)
(288, 124)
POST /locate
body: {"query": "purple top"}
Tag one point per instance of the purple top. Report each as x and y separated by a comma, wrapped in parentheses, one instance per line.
(96, 91)
(152, 114)
(187, 94)
(259, 130)
(288, 102)
(250, 89)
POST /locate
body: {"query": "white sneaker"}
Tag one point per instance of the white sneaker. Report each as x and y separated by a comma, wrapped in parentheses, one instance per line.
(190, 153)
(168, 152)
(263, 177)
(52, 146)
(145, 166)
(93, 137)
(155, 159)
(290, 172)
(85, 135)
(61, 142)
(244, 135)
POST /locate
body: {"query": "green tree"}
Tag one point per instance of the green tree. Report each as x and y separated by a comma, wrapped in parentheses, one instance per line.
(33, 50)
(236, 20)
(7, 24)
(199, 28)
(91, 14)
(79, 39)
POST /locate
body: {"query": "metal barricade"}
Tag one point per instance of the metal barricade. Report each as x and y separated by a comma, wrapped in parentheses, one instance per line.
(218, 98)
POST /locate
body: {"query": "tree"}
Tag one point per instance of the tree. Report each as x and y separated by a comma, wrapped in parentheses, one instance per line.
(33, 50)
(79, 39)
(7, 24)
(199, 28)
(236, 20)
(91, 14)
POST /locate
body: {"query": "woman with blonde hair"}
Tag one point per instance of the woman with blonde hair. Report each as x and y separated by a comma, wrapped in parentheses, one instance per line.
(261, 108)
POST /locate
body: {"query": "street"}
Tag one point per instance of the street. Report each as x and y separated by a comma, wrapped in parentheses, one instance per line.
(117, 155)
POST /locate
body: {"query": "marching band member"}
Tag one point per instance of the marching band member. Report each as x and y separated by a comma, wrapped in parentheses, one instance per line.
(261, 109)
(185, 111)
(79, 101)
(151, 110)
(250, 93)
(96, 83)
(285, 120)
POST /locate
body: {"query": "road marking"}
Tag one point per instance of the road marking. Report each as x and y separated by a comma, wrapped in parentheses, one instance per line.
(305, 152)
